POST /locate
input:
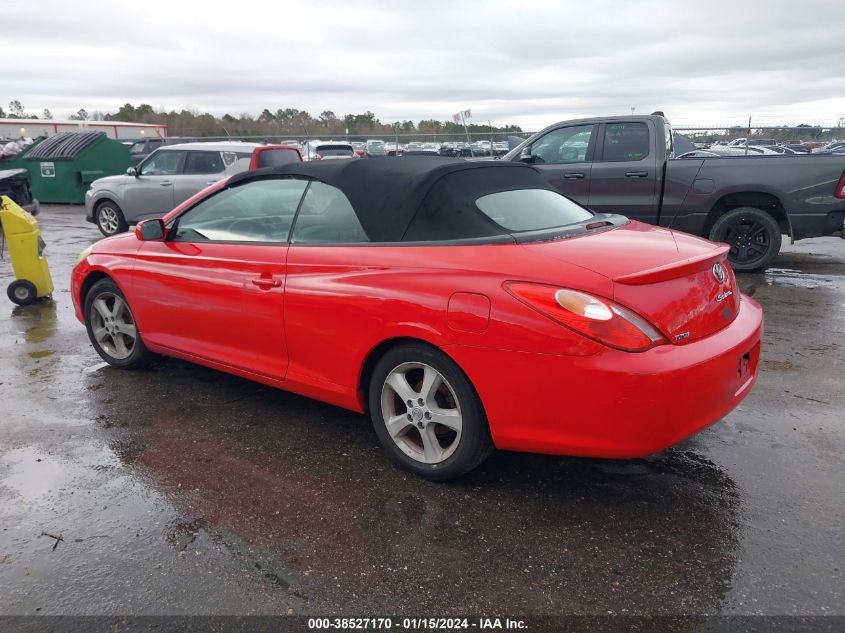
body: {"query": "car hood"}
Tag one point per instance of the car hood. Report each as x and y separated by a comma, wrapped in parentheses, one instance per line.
(111, 181)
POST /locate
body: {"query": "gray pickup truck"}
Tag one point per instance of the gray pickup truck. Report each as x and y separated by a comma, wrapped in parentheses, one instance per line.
(626, 165)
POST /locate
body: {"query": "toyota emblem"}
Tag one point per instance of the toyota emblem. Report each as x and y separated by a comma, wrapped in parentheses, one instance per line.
(719, 272)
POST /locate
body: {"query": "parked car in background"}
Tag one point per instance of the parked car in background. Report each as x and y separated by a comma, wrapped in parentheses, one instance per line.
(450, 301)
(139, 149)
(717, 151)
(274, 156)
(328, 150)
(167, 177)
(375, 147)
(626, 165)
(781, 149)
(797, 148)
(15, 184)
(421, 149)
(831, 148)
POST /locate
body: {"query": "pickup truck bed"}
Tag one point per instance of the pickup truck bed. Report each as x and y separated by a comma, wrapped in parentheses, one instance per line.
(625, 165)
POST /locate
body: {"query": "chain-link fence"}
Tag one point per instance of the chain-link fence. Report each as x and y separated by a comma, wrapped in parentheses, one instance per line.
(696, 133)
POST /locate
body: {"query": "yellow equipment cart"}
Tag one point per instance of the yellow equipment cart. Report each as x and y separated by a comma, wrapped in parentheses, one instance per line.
(26, 250)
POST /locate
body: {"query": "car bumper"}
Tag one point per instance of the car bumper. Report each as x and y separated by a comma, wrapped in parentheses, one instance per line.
(77, 277)
(89, 206)
(615, 404)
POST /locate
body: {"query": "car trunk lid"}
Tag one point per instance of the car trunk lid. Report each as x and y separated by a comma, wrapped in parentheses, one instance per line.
(681, 284)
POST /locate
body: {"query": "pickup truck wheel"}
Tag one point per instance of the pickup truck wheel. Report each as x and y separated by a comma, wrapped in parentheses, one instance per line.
(753, 235)
(110, 218)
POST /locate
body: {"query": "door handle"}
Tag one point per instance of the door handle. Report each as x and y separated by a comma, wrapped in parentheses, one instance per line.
(571, 175)
(165, 183)
(265, 283)
(636, 174)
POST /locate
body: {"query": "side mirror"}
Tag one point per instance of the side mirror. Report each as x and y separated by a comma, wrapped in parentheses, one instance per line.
(150, 230)
(132, 172)
(525, 155)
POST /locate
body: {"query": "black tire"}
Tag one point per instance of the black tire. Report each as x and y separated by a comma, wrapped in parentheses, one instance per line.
(109, 218)
(22, 292)
(139, 355)
(469, 449)
(753, 235)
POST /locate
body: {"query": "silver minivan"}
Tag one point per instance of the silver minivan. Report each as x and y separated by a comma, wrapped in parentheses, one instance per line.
(164, 179)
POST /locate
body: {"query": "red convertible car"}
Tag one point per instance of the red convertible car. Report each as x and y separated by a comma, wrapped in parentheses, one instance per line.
(464, 306)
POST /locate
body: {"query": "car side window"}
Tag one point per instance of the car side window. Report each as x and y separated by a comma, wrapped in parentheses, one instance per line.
(624, 142)
(256, 211)
(327, 217)
(203, 163)
(563, 145)
(161, 163)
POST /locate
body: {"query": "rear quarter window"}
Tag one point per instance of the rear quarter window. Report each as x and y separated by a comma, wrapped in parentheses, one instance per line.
(531, 209)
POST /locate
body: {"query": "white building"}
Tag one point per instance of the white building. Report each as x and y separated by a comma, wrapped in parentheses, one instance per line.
(22, 128)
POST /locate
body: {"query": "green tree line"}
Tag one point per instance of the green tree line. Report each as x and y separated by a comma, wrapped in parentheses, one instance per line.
(280, 122)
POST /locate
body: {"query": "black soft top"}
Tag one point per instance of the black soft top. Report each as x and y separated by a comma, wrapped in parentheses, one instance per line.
(415, 198)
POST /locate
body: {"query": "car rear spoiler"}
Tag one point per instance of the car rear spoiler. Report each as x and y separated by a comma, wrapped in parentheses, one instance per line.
(676, 269)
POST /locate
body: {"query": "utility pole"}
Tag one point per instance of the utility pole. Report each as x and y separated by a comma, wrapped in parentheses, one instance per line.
(632, 110)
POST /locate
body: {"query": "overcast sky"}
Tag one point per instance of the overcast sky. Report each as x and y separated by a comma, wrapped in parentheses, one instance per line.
(510, 61)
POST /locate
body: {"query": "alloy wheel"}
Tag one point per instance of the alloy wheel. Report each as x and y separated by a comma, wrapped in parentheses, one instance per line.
(113, 325)
(748, 240)
(109, 221)
(421, 412)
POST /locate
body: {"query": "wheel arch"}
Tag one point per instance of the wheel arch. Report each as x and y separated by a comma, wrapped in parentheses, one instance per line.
(763, 200)
(92, 278)
(107, 196)
(377, 353)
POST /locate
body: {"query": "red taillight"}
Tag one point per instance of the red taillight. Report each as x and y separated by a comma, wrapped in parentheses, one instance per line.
(840, 188)
(599, 319)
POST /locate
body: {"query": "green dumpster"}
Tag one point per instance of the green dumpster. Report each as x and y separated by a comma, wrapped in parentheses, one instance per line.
(62, 167)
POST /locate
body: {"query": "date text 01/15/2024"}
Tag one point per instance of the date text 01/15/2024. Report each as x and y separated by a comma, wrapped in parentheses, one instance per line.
(416, 624)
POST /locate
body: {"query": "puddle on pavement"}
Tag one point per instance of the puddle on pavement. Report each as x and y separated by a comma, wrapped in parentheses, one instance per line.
(796, 278)
(33, 473)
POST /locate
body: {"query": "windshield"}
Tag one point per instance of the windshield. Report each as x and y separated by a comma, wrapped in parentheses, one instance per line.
(275, 157)
(335, 150)
(531, 209)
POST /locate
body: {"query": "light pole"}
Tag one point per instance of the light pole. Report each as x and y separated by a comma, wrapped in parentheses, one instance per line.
(632, 110)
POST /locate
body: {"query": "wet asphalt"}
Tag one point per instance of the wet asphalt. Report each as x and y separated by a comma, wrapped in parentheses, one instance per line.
(182, 490)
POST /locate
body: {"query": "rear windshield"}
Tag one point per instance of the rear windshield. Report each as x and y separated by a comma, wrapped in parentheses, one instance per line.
(275, 157)
(334, 150)
(531, 209)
